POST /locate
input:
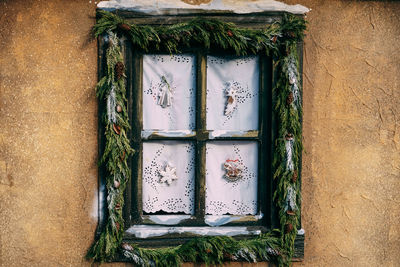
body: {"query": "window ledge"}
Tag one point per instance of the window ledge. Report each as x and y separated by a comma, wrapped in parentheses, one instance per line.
(147, 231)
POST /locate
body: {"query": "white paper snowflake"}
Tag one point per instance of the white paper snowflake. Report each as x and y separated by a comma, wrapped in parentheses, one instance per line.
(168, 174)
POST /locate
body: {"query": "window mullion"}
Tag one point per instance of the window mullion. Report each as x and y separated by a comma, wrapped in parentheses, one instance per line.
(200, 143)
(137, 126)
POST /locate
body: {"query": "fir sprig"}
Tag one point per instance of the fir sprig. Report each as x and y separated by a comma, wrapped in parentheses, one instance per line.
(209, 250)
(116, 152)
(210, 35)
(289, 121)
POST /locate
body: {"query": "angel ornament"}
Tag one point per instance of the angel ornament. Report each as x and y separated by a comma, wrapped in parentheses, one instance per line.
(232, 93)
(233, 169)
(168, 174)
(165, 93)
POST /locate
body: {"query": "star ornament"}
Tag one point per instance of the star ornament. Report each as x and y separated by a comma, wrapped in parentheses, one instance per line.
(168, 174)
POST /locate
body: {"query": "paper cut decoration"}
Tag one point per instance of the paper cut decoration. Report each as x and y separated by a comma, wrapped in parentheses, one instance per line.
(168, 174)
(233, 169)
(165, 93)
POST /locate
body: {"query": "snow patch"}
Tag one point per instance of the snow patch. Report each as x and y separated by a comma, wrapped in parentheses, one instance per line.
(146, 231)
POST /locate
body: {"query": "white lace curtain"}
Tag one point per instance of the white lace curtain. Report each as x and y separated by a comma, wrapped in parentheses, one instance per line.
(174, 77)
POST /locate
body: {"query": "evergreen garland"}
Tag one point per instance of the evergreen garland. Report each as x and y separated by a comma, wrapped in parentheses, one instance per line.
(209, 250)
(278, 40)
(116, 153)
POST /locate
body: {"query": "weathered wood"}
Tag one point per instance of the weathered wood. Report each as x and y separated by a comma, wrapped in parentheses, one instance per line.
(130, 80)
(263, 175)
(201, 103)
(181, 135)
(137, 125)
(102, 193)
(273, 131)
(258, 20)
(298, 248)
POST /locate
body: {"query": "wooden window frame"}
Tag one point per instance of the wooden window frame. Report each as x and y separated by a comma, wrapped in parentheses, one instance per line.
(266, 135)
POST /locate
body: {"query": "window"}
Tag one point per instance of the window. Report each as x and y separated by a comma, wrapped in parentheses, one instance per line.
(204, 129)
(211, 137)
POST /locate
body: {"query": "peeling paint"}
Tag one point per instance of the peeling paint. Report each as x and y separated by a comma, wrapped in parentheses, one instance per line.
(146, 134)
(229, 133)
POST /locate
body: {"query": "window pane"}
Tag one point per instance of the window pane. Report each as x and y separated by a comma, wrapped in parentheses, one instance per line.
(232, 93)
(231, 177)
(169, 92)
(168, 177)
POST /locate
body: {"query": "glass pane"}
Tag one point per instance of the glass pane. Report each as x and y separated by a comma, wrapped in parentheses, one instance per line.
(168, 177)
(231, 177)
(232, 93)
(169, 92)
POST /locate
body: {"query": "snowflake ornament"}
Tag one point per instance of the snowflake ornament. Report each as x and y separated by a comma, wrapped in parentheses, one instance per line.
(168, 174)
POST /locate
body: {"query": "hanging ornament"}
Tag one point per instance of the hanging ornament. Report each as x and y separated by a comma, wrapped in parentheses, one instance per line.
(122, 157)
(113, 39)
(294, 177)
(119, 109)
(124, 27)
(289, 98)
(231, 92)
(168, 174)
(117, 206)
(117, 128)
(233, 169)
(290, 201)
(290, 212)
(288, 228)
(126, 246)
(273, 252)
(274, 38)
(111, 102)
(228, 256)
(118, 226)
(289, 142)
(116, 184)
(293, 79)
(119, 70)
(165, 93)
(230, 33)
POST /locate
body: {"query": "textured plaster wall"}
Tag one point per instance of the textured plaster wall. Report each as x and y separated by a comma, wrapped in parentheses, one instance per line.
(48, 143)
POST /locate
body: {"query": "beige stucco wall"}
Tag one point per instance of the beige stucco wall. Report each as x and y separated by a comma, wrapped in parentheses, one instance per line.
(48, 134)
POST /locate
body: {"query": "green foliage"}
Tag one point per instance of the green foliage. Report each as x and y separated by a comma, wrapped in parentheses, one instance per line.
(209, 250)
(278, 40)
(115, 157)
(210, 35)
(289, 121)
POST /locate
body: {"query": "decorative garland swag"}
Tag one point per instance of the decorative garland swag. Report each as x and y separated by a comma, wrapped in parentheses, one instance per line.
(278, 40)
